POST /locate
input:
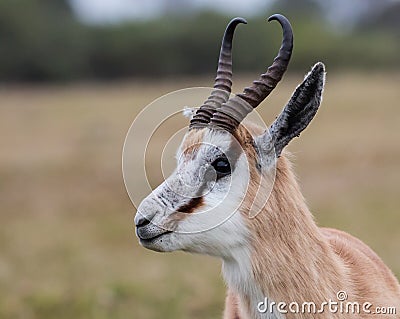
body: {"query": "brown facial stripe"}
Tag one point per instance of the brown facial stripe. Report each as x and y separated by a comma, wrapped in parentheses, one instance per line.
(191, 205)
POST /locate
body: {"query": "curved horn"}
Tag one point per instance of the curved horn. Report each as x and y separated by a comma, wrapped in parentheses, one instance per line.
(235, 109)
(223, 81)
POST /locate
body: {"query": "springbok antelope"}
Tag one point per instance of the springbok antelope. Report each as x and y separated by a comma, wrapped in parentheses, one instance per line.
(277, 255)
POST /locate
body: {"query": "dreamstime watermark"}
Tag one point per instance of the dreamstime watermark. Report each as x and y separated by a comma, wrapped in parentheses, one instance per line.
(340, 306)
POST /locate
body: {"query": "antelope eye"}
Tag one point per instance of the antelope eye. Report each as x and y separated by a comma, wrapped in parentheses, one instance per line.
(222, 167)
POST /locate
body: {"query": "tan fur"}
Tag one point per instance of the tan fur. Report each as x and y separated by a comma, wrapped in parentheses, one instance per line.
(293, 260)
(192, 142)
(232, 306)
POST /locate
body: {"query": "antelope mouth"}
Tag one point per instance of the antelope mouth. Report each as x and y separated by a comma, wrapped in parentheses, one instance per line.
(148, 237)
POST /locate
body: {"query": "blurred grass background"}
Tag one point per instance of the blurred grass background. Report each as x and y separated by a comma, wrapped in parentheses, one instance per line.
(67, 243)
(68, 248)
(44, 41)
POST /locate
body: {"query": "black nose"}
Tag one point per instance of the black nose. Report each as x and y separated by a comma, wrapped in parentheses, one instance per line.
(142, 221)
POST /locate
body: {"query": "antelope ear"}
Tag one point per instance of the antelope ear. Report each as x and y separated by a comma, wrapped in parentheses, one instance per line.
(300, 110)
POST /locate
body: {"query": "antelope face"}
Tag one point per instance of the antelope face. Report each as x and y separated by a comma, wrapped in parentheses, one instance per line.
(195, 208)
(206, 205)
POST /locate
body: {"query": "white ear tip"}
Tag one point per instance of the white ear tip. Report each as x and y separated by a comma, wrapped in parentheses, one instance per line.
(188, 112)
(317, 71)
(319, 66)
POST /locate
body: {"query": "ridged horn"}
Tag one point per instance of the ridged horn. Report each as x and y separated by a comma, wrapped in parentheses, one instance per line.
(231, 113)
(223, 81)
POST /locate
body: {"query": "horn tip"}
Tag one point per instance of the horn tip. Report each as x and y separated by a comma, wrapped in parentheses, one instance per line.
(239, 20)
(277, 16)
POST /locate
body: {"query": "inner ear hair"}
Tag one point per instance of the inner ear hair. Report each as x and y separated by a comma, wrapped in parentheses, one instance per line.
(300, 110)
(189, 112)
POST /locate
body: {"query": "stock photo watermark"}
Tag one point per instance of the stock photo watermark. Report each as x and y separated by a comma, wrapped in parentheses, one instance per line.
(342, 305)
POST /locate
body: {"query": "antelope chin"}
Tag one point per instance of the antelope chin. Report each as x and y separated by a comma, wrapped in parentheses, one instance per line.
(160, 243)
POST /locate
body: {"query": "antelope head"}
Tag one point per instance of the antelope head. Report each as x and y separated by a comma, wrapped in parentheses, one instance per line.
(204, 206)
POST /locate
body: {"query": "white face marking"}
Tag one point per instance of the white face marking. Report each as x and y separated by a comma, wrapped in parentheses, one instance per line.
(215, 226)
